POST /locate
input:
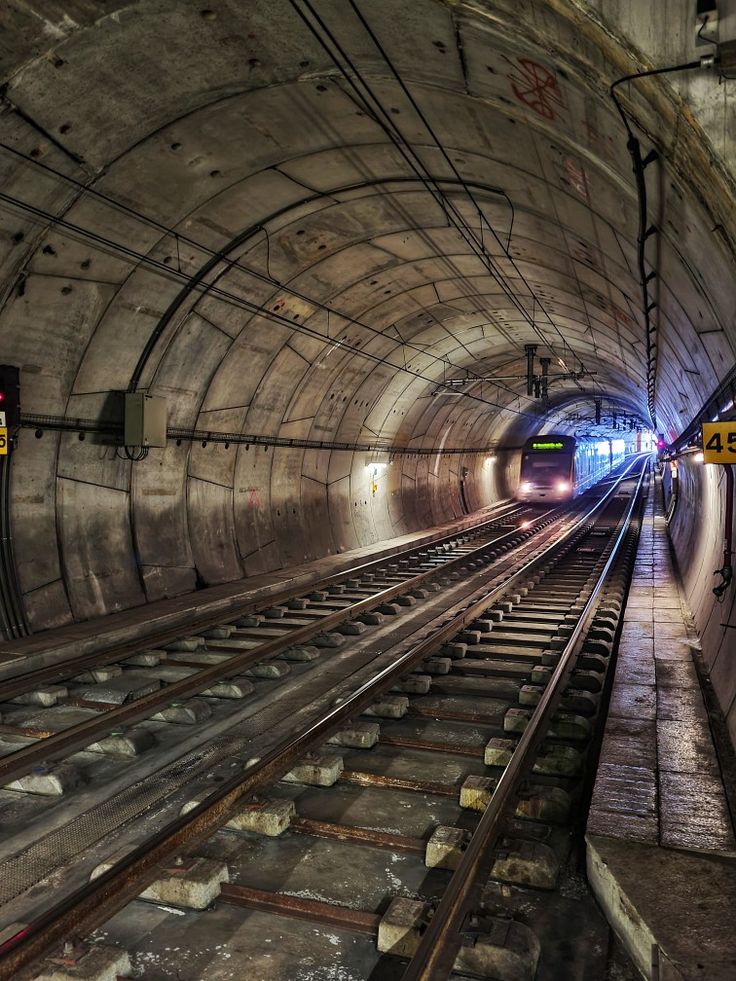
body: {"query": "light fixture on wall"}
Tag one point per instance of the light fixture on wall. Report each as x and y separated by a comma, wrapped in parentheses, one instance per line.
(374, 468)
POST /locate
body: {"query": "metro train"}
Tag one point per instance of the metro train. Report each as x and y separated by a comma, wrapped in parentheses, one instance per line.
(558, 468)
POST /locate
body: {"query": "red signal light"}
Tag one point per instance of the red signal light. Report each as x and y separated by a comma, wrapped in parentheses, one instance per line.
(660, 444)
(2, 396)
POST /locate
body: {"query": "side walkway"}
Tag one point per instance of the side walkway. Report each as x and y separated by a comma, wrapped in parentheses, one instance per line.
(661, 851)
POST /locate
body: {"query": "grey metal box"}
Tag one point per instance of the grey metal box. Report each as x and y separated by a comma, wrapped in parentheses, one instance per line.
(145, 420)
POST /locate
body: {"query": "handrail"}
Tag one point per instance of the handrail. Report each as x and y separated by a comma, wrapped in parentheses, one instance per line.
(437, 950)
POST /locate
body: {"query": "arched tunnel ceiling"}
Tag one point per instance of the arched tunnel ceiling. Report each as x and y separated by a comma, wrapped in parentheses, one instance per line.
(221, 142)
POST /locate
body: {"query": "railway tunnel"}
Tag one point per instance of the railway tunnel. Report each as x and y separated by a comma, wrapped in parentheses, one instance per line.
(286, 288)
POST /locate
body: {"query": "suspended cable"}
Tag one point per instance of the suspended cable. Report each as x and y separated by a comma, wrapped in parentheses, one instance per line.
(645, 230)
(481, 216)
(391, 129)
(236, 263)
(231, 298)
(407, 152)
(114, 428)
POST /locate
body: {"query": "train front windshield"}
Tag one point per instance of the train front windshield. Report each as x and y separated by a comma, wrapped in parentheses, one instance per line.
(546, 469)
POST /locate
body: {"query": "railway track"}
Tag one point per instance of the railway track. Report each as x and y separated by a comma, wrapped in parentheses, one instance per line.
(82, 701)
(509, 684)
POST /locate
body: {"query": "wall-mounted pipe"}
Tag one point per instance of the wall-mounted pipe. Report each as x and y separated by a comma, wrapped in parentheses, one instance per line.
(726, 570)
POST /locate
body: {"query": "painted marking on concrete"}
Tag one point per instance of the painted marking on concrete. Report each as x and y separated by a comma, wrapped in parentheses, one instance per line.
(600, 140)
(537, 87)
(576, 177)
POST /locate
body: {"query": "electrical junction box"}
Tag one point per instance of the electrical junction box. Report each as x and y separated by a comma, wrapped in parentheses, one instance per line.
(145, 420)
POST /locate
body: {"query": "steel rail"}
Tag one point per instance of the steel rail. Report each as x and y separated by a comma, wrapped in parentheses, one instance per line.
(59, 671)
(90, 905)
(79, 736)
(440, 943)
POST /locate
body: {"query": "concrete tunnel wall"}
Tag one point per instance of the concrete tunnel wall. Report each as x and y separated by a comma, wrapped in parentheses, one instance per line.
(699, 547)
(232, 132)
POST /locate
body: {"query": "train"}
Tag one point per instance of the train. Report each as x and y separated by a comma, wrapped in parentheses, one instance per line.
(558, 468)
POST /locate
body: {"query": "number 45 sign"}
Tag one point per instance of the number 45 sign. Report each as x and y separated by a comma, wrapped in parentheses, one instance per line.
(3, 436)
(719, 442)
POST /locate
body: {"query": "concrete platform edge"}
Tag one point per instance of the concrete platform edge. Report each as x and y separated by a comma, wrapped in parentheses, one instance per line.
(672, 910)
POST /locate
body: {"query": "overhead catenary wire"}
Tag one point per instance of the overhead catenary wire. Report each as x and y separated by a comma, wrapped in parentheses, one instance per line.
(451, 163)
(391, 129)
(235, 300)
(231, 263)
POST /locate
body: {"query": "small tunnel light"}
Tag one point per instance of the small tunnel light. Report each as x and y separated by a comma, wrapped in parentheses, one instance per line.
(698, 457)
(525, 524)
(563, 485)
(526, 485)
(490, 460)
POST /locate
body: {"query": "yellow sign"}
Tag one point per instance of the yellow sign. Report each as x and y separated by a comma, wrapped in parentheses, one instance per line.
(3, 441)
(719, 442)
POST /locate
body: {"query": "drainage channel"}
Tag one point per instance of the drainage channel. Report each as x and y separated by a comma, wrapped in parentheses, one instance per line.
(405, 778)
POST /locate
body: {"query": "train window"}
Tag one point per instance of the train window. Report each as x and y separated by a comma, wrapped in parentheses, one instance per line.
(546, 464)
(542, 463)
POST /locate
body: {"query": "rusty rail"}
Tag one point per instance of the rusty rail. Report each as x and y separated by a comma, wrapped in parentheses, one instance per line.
(440, 943)
(77, 737)
(364, 836)
(59, 671)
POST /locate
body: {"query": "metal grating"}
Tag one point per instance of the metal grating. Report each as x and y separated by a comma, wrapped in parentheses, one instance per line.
(64, 844)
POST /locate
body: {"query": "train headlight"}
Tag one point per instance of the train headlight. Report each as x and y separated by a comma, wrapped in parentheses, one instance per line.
(563, 485)
(526, 485)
